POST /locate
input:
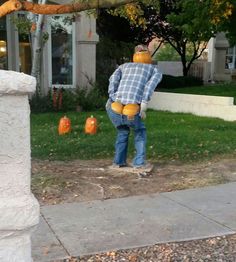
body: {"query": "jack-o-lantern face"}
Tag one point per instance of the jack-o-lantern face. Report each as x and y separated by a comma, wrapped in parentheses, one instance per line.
(64, 126)
(91, 126)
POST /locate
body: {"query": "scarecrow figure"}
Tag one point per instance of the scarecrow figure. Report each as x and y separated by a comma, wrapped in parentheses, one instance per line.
(130, 88)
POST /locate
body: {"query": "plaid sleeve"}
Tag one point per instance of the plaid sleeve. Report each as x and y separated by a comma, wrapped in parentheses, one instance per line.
(151, 85)
(114, 83)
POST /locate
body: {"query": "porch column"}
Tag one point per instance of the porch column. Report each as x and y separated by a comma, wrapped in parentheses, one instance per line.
(19, 210)
(86, 40)
(12, 44)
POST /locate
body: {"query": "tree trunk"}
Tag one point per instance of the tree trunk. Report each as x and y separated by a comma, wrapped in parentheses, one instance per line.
(37, 53)
(185, 70)
(37, 45)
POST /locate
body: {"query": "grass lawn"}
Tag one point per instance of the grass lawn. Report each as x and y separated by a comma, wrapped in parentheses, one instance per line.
(212, 90)
(170, 136)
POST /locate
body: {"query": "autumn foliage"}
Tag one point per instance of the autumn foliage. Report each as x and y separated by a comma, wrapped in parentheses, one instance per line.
(221, 9)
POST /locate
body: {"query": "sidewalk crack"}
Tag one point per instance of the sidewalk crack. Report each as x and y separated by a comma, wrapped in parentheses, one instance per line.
(58, 239)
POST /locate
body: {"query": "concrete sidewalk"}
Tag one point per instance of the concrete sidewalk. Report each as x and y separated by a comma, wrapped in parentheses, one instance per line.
(91, 227)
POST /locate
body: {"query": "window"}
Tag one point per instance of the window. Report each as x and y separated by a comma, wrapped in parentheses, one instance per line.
(230, 62)
(61, 53)
(3, 44)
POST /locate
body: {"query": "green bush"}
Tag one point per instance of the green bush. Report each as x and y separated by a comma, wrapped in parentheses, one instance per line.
(69, 101)
(192, 81)
(92, 100)
(41, 104)
(171, 82)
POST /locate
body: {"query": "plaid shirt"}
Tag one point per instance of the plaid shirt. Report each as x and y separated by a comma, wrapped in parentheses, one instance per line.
(133, 83)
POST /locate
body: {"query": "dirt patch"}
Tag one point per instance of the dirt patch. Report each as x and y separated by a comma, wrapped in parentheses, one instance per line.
(56, 182)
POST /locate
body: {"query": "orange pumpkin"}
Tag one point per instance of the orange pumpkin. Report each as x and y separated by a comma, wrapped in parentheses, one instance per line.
(117, 107)
(64, 126)
(130, 109)
(91, 126)
(142, 57)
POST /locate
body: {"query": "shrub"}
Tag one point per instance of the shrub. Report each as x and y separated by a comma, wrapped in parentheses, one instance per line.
(41, 104)
(69, 101)
(192, 81)
(171, 82)
(90, 100)
(94, 99)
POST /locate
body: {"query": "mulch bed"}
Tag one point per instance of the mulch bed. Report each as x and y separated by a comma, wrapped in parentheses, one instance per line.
(217, 249)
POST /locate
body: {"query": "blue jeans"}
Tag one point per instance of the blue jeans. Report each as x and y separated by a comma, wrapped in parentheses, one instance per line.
(123, 126)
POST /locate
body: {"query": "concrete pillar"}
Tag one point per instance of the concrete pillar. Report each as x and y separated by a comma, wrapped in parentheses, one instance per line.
(19, 210)
(86, 40)
(221, 44)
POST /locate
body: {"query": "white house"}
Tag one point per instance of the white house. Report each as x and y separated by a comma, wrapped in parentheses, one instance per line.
(69, 54)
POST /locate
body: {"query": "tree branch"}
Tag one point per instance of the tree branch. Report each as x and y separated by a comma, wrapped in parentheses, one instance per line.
(11, 6)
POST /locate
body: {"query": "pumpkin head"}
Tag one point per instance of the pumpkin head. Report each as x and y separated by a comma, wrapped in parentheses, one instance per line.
(117, 107)
(64, 126)
(142, 57)
(90, 126)
(131, 109)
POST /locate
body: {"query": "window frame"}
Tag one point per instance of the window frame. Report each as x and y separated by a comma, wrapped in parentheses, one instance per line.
(233, 62)
(65, 86)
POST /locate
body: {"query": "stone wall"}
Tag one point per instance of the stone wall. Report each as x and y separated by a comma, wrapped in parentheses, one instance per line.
(210, 106)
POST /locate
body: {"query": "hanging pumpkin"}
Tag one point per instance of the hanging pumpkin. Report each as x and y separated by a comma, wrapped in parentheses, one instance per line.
(91, 126)
(64, 126)
(130, 109)
(142, 57)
